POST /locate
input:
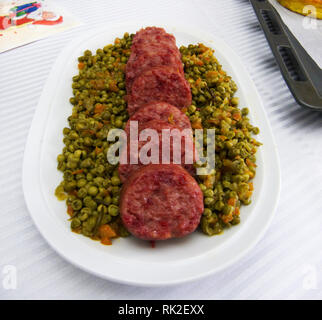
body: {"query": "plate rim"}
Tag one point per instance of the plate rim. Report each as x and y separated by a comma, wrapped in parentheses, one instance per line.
(29, 153)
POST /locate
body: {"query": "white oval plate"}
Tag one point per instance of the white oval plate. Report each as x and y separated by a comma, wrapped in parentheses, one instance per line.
(130, 260)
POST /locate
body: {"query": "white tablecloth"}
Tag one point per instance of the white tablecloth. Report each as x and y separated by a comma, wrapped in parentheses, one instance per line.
(286, 263)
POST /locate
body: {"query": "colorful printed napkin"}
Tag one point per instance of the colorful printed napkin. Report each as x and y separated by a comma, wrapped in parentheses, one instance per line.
(22, 22)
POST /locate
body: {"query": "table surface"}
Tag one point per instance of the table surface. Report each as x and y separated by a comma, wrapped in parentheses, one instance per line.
(285, 264)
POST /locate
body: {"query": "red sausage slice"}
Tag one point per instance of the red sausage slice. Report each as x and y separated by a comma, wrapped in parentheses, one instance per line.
(153, 35)
(160, 111)
(150, 56)
(159, 84)
(185, 143)
(160, 202)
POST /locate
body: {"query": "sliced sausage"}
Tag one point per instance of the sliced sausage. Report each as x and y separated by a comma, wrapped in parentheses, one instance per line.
(150, 56)
(126, 168)
(159, 202)
(159, 84)
(152, 35)
(159, 111)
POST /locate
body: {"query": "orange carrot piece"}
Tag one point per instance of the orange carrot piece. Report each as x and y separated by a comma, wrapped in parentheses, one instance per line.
(227, 218)
(98, 150)
(99, 108)
(70, 210)
(196, 124)
(106, 241)
(237, 116)
(78, 171)
(250, 163)
(198, 81)
(106, 234)
(211, 74)
(113, 87)
(232, 201)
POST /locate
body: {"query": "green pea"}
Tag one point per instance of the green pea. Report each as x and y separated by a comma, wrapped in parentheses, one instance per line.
(86, 163)
(202, 99)
(77, 204)
(75, 223)
(234, 101)
(77, 154)
(228, 209)
(121, 85)
(81, 183)
(115, 190)
(192, 109)
(66, 131)
(82, 193)
(98, 181)
(102, 209)
(92, 205)
(106, 115)
(100, 169)
(210, 225)
(91, 223)
(116, 199)
(119, 123)
(61, 166)
(60, 158)
(83, 217)
(87, 201)
(236, 220)
(207, 212)
(208, 109)
(106, 219)
(86, 210)
(89, 177)
(72, 164)
(70, 185)
(94, 213)
(115, 181)
(245, 111)
(68, 175)
(209, 193)
(88, 141)
(113, 210)
(92, 191)
(75, 85)
(79, 176)
(209, 201)
(85, 232)
(107, 200)
(226, 184)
